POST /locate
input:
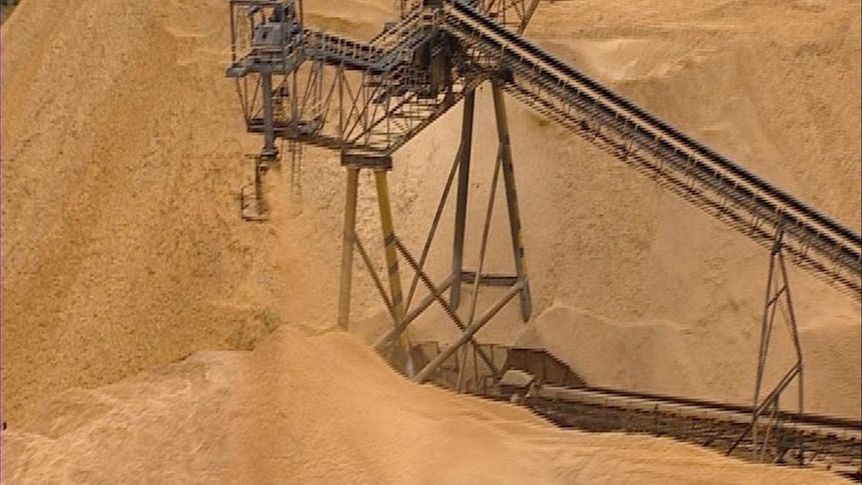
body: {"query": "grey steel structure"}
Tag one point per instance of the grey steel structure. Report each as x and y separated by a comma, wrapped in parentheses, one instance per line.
(367, 99)
(555, 391)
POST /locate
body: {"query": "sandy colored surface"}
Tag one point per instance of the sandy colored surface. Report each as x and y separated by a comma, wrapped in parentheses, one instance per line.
(281, 414)
(122, 152)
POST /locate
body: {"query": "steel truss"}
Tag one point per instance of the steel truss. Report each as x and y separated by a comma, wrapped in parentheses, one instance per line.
(393, 343)
(697, 173)
(551, 389)
(778, 301)
(368, 99)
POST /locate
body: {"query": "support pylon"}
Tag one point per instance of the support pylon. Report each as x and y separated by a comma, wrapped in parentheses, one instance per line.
(517, 284)
(397, 302)
(778, 300)
(464, 158)
(464, 162)
(512, 198)
(393, 298)
(348, 245)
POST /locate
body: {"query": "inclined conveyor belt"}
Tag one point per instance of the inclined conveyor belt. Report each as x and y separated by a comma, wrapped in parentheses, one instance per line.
(554, 88)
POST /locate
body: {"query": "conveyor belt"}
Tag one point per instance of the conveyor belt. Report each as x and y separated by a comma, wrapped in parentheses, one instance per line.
(538, 380)
(407, 104)
(700, 174)
(824, 441)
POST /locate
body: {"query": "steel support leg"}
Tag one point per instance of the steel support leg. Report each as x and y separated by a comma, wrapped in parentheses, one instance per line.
(464, 158)
(267, 155)
(777, 291)
(794, 334)
(348, 244)
(395, 288)
(763, 349)
(512, 198)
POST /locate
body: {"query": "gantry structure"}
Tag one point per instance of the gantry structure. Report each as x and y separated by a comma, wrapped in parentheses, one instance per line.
(367, 99)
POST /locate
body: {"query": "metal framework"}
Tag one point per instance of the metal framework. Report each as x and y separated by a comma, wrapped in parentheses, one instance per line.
(367, 99)
(394, 299)
(778, 301)
(697, 173)
(551, 389)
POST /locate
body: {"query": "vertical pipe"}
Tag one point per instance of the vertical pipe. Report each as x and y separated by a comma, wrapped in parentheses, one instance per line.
(349, 241)
(268, 120)
(765, 329)
(261, 207)
(294, 111)
(464, 155)
(511, 197)
(801, 410)
(340, 76)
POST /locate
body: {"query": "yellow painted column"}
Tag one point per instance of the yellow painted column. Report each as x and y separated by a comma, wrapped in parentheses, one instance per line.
(395, 288)
(349, 241)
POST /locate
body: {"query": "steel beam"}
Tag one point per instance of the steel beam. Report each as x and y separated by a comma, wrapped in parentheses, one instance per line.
(395, 288)
(410, 317)
(467, 336)
(528, 14)
(511, 197)
(348, 244)
(432, 231)
(390, 105)
(444, 304)
(488, 279)
(464, 158)
(777, 292)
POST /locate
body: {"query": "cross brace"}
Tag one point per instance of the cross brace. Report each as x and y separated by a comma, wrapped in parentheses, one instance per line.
(394, 342)
(778, 300)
